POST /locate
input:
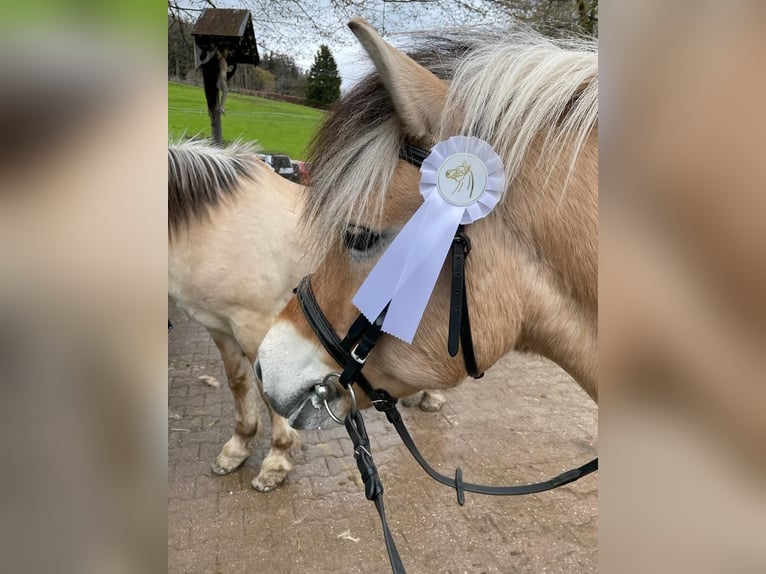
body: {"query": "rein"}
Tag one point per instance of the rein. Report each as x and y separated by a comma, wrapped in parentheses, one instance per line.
(351, 354)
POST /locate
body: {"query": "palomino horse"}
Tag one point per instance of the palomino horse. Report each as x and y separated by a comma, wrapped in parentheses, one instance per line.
(233, 257)
(531, 277)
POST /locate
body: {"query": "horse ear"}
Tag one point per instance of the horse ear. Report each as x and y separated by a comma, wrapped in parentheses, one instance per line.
(418, 95)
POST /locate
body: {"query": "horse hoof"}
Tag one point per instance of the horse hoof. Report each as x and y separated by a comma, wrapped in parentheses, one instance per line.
(428, 401)
(225, 465)
(413, 400)
(273, 473)
(432, 402)
(268, 481)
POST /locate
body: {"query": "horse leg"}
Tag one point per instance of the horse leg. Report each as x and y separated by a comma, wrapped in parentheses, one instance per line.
(285, 441)
(239, 373)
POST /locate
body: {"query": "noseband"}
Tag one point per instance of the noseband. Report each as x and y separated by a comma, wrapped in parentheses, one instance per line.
(351, 354)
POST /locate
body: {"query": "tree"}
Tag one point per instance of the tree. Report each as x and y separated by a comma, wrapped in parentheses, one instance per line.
(289, 78)
(324, 82)
(554, 17)
(180, 49)
(263, 80)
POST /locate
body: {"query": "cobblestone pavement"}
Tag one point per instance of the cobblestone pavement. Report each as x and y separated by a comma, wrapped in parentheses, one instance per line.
(525, 420)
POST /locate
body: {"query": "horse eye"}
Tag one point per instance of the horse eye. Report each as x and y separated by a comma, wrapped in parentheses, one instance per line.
(360, 238)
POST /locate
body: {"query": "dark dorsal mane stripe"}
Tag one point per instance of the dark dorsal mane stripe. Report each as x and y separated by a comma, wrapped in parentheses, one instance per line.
(201, 176)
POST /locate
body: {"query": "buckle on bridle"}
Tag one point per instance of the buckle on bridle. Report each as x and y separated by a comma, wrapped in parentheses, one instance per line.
(462, 238)
(357, 358)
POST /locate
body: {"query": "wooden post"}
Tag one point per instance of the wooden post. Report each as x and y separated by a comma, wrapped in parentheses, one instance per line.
(215, 126)
(210, 84)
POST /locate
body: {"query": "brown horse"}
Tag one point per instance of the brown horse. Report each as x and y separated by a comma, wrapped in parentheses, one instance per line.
(532, 273)
(234, 254)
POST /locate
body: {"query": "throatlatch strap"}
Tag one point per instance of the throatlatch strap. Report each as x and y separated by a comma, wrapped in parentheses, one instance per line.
(467, 342)
(459, 322)
(459, 251)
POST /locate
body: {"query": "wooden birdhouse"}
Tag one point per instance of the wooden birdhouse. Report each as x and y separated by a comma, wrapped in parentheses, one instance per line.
(223, 38)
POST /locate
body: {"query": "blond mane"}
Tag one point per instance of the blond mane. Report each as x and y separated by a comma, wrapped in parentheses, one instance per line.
(508, 88)
(527, 86)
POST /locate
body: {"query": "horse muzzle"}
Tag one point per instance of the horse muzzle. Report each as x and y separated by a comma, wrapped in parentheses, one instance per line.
(292, 374)
(318, 408)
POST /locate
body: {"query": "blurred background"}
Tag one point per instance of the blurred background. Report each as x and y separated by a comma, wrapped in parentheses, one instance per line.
(83, 132)
(682, 283)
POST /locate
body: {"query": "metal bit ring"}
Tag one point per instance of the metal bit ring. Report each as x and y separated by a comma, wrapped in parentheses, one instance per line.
(322, 391)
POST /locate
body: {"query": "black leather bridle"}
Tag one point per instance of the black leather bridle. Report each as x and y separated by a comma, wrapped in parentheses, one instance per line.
(351, 354)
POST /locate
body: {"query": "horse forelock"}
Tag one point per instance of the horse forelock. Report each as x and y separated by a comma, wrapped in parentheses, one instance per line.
(508, 88)
(353, 157)
(201, 175)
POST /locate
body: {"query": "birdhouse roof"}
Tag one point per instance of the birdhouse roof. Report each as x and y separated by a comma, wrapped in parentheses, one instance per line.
(222, 22)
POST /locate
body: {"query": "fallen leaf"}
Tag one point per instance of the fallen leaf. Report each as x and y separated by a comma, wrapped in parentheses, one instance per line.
(346, 535)
(210, 381)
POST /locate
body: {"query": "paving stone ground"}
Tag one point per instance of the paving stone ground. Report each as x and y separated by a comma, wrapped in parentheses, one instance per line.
(526, 420)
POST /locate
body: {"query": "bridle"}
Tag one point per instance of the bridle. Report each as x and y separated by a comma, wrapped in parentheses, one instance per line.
(351, 354)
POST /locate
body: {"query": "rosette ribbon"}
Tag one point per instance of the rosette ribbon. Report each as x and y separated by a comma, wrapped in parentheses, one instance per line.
(462, 180)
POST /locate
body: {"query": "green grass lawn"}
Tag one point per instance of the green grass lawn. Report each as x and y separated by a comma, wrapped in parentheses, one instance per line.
(277, 126)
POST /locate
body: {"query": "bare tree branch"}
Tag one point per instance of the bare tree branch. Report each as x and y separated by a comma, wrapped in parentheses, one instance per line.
(296, 27)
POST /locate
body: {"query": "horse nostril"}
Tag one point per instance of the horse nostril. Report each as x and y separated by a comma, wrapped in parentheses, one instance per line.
(258, 371)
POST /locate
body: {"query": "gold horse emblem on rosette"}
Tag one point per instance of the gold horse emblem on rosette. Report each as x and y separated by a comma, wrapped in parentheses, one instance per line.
(459, 174)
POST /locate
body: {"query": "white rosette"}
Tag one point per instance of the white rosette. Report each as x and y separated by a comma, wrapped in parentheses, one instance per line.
(462, 180)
